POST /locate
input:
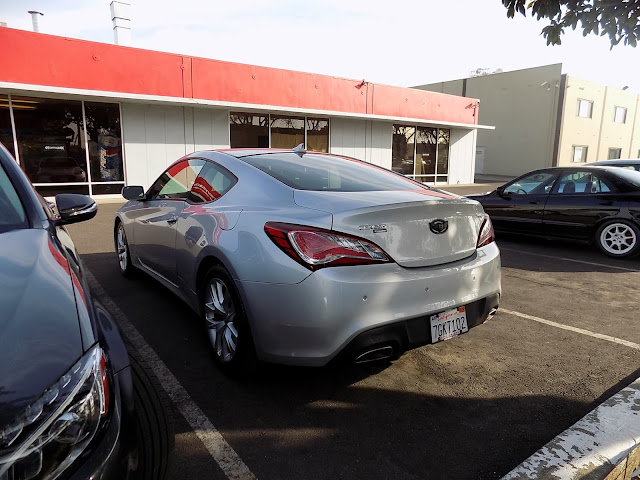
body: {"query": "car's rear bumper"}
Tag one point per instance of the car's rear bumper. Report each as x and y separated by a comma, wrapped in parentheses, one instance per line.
(311, 322)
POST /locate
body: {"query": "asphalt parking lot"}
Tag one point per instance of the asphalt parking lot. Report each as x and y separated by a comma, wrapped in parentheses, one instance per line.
(470, 408)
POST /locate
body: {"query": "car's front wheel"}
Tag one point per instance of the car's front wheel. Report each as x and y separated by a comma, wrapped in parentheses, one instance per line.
(226, 323)
(122, 249)
(618, 238)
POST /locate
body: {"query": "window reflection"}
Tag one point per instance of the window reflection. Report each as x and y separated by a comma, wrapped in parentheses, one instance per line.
(444, 136)
(403, 149)
(6, 134)
(248, 130)
(105, 142)
(426, 151)
(50, 139)
(318, 135)
(287, 132)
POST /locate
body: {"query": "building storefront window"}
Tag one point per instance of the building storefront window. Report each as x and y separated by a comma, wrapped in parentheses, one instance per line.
(421, 153)
(247, 130)
(6, 132)
(105, 147)
(51, 144)
(286, 132)
(52, 140)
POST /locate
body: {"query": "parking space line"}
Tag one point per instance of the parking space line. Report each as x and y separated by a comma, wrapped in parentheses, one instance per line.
(600, 336)
(223, 454)
(553, 257)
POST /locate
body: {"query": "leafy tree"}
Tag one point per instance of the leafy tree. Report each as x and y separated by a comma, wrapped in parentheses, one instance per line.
(619, 19)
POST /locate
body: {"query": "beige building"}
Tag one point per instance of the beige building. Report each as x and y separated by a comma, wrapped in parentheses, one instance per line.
(545, 118)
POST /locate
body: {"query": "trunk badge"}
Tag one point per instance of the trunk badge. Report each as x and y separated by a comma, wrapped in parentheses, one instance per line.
(380, 228)
(439, 226)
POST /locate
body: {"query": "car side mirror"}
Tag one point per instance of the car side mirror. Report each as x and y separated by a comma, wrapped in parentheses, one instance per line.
(133, 192)
(74, 208)
(500, 190)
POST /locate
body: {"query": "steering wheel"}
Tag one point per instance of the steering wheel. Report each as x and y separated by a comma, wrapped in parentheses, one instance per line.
(521, 190)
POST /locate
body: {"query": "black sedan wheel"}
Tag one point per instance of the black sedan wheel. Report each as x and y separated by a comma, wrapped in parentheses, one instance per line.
(618, 238)
(227, 327)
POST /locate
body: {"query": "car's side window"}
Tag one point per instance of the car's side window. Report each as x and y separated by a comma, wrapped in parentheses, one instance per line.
(536, 183)
(583, 182)
(176, 181)
(213, 182)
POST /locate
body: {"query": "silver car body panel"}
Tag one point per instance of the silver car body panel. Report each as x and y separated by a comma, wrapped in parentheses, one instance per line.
(302, 317)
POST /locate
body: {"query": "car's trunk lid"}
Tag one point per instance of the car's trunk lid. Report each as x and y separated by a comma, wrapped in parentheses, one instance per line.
(404, 223)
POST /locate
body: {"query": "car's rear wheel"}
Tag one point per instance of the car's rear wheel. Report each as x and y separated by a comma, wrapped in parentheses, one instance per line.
(154, 427)
(618, 238)
(226, 323)
(122, 249)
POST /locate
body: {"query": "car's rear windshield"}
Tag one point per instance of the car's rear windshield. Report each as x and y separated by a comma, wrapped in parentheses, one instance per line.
(328, 173)
(12, 214)
(630, 176)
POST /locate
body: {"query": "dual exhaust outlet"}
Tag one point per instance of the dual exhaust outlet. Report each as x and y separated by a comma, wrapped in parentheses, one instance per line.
(375, 354)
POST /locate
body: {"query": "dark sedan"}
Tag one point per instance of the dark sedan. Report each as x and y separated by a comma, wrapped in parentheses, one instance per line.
(73, 404)
(594, 204)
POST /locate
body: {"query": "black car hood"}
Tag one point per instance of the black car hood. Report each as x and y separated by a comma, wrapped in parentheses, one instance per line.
(39, 329)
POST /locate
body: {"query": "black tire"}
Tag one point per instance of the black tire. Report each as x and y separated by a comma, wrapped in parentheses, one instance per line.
(128, 269)
(242, 361)
(618, 238)
(155, 429)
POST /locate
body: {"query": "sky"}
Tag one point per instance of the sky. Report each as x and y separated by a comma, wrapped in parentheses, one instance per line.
(402, 42)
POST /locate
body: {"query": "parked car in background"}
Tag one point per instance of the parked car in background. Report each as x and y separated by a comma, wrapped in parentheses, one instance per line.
(585, 203)
(631, 163)
(296, 257)
(72, 402)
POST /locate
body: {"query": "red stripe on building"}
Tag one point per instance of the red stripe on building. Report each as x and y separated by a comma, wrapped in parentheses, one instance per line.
(39, 59)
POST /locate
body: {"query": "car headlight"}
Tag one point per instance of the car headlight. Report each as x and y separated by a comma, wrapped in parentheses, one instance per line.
(54, 430)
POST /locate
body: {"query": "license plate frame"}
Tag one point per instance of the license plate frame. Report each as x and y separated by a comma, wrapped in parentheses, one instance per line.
(448, 324)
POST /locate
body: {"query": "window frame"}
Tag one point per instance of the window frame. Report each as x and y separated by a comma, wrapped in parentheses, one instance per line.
(173, 165)
(615, 114)
(590, 103)
(584, 156)
(614, 149)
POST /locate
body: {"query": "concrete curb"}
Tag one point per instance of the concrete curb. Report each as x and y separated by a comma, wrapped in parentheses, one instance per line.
(603, 445)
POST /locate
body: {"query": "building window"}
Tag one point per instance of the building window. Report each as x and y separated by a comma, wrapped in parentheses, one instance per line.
(6, 132)
(614, 153)
(286, 132)
(318, 135)
(105, 147)
(249, 130)
(421, 153)
(585, 108)
(620, 115)
(579, 154)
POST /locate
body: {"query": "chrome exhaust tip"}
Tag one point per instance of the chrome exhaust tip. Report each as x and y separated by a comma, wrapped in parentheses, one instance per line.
(375, 355)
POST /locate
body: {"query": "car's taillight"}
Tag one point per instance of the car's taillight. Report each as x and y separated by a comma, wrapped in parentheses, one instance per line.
(486, 233)
(316, 248)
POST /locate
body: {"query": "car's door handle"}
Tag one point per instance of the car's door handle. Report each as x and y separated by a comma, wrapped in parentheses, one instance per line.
(172, 219)
(533, 202)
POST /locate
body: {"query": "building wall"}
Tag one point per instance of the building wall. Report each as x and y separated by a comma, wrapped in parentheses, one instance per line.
(461, 156)
(366, 140)
(600, 132)
(635, 140)
(523, 106)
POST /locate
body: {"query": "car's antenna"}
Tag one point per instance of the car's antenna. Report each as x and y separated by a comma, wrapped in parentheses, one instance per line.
(299, 150)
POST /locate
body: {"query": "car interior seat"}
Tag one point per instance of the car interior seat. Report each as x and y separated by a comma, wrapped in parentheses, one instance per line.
(569, 187)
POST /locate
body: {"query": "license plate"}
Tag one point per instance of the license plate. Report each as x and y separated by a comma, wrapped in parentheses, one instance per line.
(449, 324)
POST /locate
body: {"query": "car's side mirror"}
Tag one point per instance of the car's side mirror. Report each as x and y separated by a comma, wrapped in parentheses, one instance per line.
(74, 208)
(133, 192)
(500, 190)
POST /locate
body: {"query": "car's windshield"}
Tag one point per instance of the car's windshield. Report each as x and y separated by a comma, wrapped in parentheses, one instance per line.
(326, 173)
(12, 213)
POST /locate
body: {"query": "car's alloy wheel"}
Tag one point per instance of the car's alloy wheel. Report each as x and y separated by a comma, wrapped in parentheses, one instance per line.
(122, 249)
(618, 239)
(226, 323)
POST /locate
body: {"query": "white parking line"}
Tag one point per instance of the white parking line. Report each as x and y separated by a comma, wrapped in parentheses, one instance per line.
(600, 336)
(224, 455)
(553, 257)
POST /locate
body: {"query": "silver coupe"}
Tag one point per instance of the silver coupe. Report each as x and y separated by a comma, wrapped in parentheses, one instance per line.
(304, 258)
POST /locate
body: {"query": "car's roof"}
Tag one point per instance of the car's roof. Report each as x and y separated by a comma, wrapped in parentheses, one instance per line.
(625, 161)
(249, 152)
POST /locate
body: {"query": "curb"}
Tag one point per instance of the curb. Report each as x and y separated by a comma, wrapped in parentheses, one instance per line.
(603, 445)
